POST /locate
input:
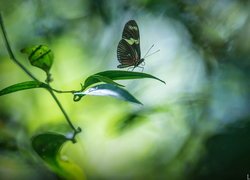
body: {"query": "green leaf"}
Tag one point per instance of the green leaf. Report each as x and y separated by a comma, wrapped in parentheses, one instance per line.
(107, 90)
(99, 78)
(48, 146)
(40, 56)
(22, 86)
(116, 75)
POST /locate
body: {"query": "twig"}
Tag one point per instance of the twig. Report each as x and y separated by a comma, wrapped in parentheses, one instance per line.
(11, 54)
(76, 131)
(49, 88)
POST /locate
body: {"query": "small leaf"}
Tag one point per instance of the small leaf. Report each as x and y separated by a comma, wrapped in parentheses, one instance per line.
(40, 56)
(117, 75)
(48, 147)
(107, 90)
(22, 86)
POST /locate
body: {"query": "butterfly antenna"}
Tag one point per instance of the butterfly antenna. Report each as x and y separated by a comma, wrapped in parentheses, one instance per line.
(148, 51)
(152, 53)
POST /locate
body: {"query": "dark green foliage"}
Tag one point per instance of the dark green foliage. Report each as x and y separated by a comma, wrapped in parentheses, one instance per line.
(48, 146)
(227, 154)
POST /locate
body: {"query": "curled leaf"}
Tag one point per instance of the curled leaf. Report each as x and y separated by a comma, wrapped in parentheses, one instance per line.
(40, 56)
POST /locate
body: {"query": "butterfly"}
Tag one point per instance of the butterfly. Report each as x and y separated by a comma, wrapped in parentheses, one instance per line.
(128, 49)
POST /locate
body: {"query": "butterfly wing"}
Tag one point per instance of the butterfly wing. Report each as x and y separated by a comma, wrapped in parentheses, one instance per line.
(126, 54)
(132, 35)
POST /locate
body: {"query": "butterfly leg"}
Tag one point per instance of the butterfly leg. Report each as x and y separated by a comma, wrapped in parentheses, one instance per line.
(130, 68)
(133, 68)
(142, 68)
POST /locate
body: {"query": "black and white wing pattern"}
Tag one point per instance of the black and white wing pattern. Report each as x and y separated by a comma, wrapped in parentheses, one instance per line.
(126, 54)
(132, 35)
(128, 49)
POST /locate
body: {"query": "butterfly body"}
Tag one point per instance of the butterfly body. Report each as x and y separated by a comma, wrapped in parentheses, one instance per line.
(128, 49)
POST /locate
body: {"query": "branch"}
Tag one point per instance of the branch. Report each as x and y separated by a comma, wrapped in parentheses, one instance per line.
(11, 54)
(76, 131)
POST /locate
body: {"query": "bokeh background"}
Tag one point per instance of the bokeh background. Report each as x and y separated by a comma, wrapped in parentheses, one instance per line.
(197, 126)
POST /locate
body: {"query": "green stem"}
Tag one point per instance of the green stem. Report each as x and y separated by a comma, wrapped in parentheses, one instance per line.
(11, 54)
(76, 131)
(60, 91)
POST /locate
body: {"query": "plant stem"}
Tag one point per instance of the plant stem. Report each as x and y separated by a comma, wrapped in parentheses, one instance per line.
(76, 131)
(11, 54)
(60, 91)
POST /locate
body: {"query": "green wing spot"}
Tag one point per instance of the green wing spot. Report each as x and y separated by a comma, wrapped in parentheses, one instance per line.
(132, 41)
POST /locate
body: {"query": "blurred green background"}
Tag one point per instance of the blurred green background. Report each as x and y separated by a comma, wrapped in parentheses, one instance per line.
(197, 126)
